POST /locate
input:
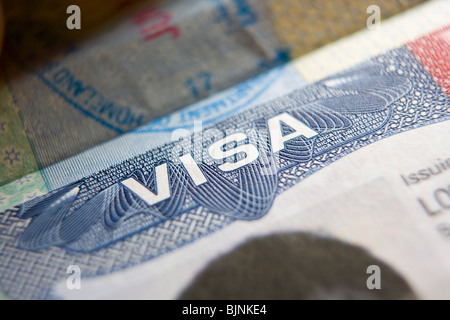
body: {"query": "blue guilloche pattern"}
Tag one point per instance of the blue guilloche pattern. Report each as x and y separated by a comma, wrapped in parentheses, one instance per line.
(102, 226)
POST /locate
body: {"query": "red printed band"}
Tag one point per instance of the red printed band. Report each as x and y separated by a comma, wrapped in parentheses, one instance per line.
(434, 52)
